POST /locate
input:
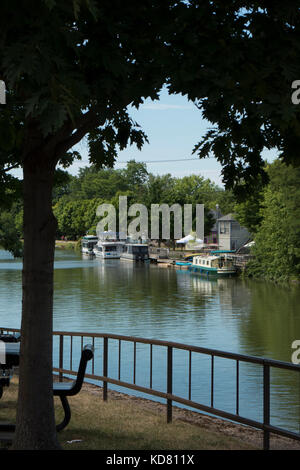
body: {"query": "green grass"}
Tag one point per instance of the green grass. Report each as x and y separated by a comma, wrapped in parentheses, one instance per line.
(122, 425)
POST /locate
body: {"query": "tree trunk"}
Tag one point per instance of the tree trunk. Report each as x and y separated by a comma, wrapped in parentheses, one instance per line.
(35, 427)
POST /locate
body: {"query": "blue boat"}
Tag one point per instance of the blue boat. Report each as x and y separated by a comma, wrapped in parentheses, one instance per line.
(183, 263)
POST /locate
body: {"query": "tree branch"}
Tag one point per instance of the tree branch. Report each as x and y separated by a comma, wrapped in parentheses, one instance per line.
(56, 145)
(84, 124)
(11, 167)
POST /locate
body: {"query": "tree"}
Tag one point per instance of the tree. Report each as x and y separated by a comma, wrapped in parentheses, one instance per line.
(76, 218)
(72, 69)
(93, 183)
(136, 174)
(9, 237)
(248, 212)
(277, 238)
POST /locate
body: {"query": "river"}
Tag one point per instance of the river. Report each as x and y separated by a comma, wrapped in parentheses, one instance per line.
(119, 297)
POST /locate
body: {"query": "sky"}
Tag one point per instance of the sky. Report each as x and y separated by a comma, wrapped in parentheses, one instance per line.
(174, 126)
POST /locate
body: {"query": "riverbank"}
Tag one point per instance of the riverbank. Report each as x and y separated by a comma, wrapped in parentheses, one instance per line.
(179, 256)
(67, 245)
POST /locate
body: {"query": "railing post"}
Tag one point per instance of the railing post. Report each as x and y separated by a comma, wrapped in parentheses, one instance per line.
(266, 405)
(105, 362)
(61, 357)
(169, 382)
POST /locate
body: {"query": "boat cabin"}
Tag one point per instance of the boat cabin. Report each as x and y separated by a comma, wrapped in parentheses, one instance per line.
(219, 265)
(108, 249)
(88, 243)
(135, 252)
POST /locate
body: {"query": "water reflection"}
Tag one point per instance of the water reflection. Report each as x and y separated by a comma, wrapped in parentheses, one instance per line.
(115, 296)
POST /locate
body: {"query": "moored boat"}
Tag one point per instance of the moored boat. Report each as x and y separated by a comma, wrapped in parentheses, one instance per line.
(88, 243)
(135, 252)
(108, 249)
(212, 266)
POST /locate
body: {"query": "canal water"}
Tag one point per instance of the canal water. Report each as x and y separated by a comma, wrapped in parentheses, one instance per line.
(235, 315)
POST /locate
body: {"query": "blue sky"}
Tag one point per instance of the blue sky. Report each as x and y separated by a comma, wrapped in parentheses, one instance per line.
(173, 126)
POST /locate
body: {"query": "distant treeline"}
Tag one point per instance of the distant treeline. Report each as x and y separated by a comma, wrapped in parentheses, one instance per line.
(76, 201)
(271, 212)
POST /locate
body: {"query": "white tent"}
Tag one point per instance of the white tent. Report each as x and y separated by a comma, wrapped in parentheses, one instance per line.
(186, 239)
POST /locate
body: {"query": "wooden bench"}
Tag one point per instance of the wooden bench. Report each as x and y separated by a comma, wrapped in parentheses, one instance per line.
(68, 389)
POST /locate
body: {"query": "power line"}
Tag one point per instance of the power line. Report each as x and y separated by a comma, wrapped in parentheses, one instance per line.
(165, 161)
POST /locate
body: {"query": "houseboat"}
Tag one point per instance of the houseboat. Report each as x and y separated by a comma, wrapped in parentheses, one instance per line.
(108, 249)
(88, 243)
(212, 266)
(135, 252)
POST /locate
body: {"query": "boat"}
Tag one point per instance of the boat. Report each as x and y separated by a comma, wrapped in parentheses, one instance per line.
(88, 243)
(135, 252)
(107, 249)
(218, 266)
(183, 263)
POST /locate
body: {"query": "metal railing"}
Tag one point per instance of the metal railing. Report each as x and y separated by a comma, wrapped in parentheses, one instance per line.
(264, 425)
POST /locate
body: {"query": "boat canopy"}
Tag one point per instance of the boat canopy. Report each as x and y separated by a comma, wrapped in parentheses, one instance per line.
(214, 252)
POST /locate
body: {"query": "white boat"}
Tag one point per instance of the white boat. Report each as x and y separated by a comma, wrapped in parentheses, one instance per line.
(135, 252)
(212, 266)
(88, 243)
(108, 249)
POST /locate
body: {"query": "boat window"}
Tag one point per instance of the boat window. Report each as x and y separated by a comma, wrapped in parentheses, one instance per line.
(140, 249)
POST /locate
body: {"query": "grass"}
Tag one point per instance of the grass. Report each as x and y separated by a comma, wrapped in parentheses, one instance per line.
(67, 245)
(122, 425)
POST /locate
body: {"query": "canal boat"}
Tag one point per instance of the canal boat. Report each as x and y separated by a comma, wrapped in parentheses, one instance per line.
(218, 266)
(135, 252)
(108, 249)
(88, 243)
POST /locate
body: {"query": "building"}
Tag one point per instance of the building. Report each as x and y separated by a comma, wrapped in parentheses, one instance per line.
(231, 235)
(212, 237)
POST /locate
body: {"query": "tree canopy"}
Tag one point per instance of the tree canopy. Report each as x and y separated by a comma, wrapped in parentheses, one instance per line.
(74, 67)
(75, 205)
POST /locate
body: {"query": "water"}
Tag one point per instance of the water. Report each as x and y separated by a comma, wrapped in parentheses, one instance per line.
(119, 297)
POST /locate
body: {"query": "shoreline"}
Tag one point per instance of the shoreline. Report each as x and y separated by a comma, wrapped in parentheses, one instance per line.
(170, 263)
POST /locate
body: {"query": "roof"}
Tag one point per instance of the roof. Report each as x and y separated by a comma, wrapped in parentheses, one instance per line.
(227, 217)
